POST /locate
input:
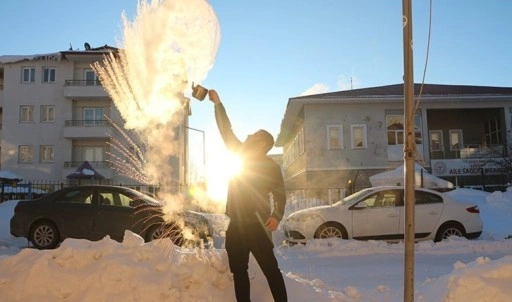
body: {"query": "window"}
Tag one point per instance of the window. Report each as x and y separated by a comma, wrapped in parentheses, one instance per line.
(46, 153)
(358, 136)
(26, 114)
(334, 137)
(492, 132)
(106, 198)
(426, 198)
(90, 77)
(436, 140)
(47, 114)
(295, 149)
(510, 116)
(418, 137)
(114, 198)
(382, 199)
(49, 74)
(80, 195)
(93, 154)
(395, 128)
(455, 139)
(25, 153)
(28, 75)
(126, 201)
(93, 116)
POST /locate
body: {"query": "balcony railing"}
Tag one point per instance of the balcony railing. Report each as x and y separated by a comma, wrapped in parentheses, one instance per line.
(84, 89)
(82, 83)
(470, 151)
(75, 129)
(86, 123)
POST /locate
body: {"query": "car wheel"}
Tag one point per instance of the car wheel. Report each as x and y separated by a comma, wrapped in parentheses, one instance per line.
(161, 231)
(44, 235)
(331, 230)
(450, 229)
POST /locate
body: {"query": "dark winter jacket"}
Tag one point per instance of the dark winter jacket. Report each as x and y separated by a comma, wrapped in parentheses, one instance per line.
(257, 192)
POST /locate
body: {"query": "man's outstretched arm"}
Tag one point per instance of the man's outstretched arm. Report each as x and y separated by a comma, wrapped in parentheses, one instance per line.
(223, 123)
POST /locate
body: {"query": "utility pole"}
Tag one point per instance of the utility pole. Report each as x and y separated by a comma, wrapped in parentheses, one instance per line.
(409, 152)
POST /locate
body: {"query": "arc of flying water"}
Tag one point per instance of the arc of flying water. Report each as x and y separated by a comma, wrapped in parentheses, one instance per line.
(170, 43)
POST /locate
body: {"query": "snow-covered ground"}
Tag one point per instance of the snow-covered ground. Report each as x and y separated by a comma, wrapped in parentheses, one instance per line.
(322, 270)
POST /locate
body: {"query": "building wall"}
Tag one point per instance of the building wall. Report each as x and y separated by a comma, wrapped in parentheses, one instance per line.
(67, 148)
(34, 133)
(318, 117)
(327, 170)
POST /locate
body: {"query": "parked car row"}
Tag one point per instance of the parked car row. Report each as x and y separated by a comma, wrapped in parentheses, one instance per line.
(377, 213)
(95, 211)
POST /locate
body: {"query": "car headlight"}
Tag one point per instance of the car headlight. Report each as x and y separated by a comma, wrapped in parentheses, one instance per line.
(303, 218)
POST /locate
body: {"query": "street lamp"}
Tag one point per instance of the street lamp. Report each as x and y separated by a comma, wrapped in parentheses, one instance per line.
(204, 150)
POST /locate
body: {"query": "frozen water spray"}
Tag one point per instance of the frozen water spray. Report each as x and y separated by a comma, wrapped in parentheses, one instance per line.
(168, 46)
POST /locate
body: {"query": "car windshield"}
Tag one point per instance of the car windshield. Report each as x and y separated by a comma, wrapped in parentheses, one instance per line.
(356, 196)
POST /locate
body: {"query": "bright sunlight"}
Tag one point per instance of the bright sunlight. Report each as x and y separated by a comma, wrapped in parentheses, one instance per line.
(222, 166)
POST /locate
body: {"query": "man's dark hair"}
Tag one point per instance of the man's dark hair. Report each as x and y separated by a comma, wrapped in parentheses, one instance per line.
(268, 138)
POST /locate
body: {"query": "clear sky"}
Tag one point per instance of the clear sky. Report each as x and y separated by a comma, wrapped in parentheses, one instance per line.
(271, 51)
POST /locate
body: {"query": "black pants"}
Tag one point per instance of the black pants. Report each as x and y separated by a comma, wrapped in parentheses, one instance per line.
(241, 240)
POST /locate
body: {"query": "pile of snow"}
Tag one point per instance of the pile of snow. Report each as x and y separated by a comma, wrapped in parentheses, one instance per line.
(495, 210)
(322, 270)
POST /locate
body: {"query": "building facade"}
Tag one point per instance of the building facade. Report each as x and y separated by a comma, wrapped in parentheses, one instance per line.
(55, 114)
(333, 142)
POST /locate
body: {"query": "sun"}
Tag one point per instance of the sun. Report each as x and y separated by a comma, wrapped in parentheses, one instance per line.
(223, 166)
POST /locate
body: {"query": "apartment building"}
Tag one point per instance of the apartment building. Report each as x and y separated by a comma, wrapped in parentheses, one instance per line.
(55, 114)
(334, 142)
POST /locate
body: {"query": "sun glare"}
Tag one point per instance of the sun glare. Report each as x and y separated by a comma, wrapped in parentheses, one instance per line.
(233, 165)
(222, 167)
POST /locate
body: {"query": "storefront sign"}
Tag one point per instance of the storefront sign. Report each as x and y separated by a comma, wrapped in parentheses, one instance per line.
(468, 166)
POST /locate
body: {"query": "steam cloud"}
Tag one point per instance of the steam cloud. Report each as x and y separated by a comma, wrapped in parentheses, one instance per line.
(169, 45)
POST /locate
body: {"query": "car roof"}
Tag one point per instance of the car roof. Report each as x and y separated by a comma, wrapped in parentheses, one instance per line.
(96, 186)
(380, 188)
(93, 186)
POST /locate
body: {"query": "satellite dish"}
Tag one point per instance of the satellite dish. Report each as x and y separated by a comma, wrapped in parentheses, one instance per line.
(87, 46)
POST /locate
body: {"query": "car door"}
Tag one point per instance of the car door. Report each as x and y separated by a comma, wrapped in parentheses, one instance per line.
(114, 216)
(73, 211)
(376, 216)
(428, 210)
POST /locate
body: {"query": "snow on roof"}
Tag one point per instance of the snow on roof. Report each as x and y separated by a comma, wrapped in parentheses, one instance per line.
(9, 59)
(55, 56)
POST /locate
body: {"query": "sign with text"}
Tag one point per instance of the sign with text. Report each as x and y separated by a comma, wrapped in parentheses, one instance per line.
(467, 166)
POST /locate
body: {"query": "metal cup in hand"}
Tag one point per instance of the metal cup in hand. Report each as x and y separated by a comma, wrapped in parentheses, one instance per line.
(199, 92)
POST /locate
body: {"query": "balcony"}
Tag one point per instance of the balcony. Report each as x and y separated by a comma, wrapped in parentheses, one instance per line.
(482, 151)
(84, 89)
(76, 129)
(470, 151)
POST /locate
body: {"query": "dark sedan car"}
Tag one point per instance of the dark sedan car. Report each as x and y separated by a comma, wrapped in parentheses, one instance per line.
(95, 211)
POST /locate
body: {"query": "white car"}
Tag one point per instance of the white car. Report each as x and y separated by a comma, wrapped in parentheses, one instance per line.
(378, 213)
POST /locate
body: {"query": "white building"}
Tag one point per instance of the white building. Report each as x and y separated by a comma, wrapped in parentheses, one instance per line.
(335, 138)
(55, 115)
